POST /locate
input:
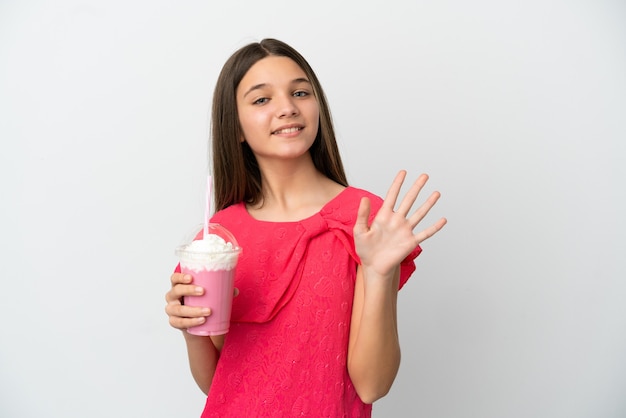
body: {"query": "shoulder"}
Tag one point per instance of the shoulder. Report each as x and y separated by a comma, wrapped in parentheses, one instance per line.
(355, 192)
(233, 213)
(344, 207)
(354, 195)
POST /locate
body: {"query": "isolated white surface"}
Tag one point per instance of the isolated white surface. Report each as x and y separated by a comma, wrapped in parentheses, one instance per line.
(517, 111)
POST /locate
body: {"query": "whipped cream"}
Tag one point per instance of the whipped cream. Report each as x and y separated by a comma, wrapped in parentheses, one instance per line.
(211, 253)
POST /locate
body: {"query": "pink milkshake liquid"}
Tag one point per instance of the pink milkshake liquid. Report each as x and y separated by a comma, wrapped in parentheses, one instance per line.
(211, 261)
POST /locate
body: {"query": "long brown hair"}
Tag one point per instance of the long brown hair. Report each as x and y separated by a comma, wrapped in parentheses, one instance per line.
(236, 173)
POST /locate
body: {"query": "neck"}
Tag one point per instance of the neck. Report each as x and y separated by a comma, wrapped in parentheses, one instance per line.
(293, 190)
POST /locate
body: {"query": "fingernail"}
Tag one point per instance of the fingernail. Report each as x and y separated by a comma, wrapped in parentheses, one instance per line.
(200, 320)
(199, 290)
(186, 278)
(206, 311)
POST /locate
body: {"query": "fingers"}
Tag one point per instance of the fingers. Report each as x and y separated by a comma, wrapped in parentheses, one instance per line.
(181, 286)
(394, 190)
(184, 322)
(178, 278)
(430, 231)
(176, 293)
(411, 195)
(407, 203)
(182, 316)
(361, 225)
(423, 210)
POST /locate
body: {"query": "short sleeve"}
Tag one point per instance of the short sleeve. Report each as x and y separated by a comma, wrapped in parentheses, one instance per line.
(341, 217)
(407, 267)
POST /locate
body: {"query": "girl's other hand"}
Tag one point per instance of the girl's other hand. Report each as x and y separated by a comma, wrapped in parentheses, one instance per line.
(181, 316)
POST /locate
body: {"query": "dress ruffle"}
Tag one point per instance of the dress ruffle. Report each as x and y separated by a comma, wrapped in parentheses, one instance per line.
(274, 266)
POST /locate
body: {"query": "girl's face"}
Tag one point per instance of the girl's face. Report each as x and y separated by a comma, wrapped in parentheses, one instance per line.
(278, 112)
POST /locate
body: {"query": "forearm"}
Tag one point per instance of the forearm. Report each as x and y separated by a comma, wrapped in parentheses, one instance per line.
(374, 352)
(203, 357)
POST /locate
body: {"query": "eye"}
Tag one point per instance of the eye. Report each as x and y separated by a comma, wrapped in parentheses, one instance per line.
(300, 93)
(261, 100)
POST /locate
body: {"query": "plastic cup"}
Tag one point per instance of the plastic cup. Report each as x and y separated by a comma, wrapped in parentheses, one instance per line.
(212, 268)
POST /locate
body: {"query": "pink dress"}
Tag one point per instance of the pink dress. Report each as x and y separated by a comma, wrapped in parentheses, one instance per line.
(285, 354)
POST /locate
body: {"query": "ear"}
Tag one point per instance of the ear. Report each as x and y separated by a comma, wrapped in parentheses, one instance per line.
(242, 139)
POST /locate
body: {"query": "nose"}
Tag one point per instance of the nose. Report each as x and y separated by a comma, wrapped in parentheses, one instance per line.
(286, 107)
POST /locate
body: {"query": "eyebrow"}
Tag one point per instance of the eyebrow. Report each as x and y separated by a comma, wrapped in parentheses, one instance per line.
(262, 85)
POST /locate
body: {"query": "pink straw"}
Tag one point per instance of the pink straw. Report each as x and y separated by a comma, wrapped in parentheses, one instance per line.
(207, 207)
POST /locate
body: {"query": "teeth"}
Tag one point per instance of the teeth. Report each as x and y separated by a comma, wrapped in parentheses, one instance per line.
(287, 131)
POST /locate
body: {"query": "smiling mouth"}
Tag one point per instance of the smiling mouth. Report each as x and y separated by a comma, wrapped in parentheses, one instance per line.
(287, 130)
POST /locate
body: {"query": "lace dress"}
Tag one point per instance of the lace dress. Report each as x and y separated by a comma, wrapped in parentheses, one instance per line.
(285, 354)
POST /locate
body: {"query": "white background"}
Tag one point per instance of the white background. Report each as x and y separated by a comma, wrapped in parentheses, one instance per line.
(517, 110)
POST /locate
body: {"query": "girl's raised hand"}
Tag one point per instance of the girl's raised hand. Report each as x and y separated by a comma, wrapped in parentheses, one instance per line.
(382, 245)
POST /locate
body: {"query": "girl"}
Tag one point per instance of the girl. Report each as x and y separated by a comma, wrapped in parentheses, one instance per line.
(313, 328)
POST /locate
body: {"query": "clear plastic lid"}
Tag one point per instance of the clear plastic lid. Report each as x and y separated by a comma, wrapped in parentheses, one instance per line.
(197, 234)
(218, 250)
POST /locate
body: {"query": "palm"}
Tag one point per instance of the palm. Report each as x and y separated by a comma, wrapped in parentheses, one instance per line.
(390, 238)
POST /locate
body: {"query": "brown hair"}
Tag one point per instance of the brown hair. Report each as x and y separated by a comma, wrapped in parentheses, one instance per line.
(236, 173)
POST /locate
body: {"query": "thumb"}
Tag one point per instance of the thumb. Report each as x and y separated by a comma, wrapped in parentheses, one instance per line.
(361, 226)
